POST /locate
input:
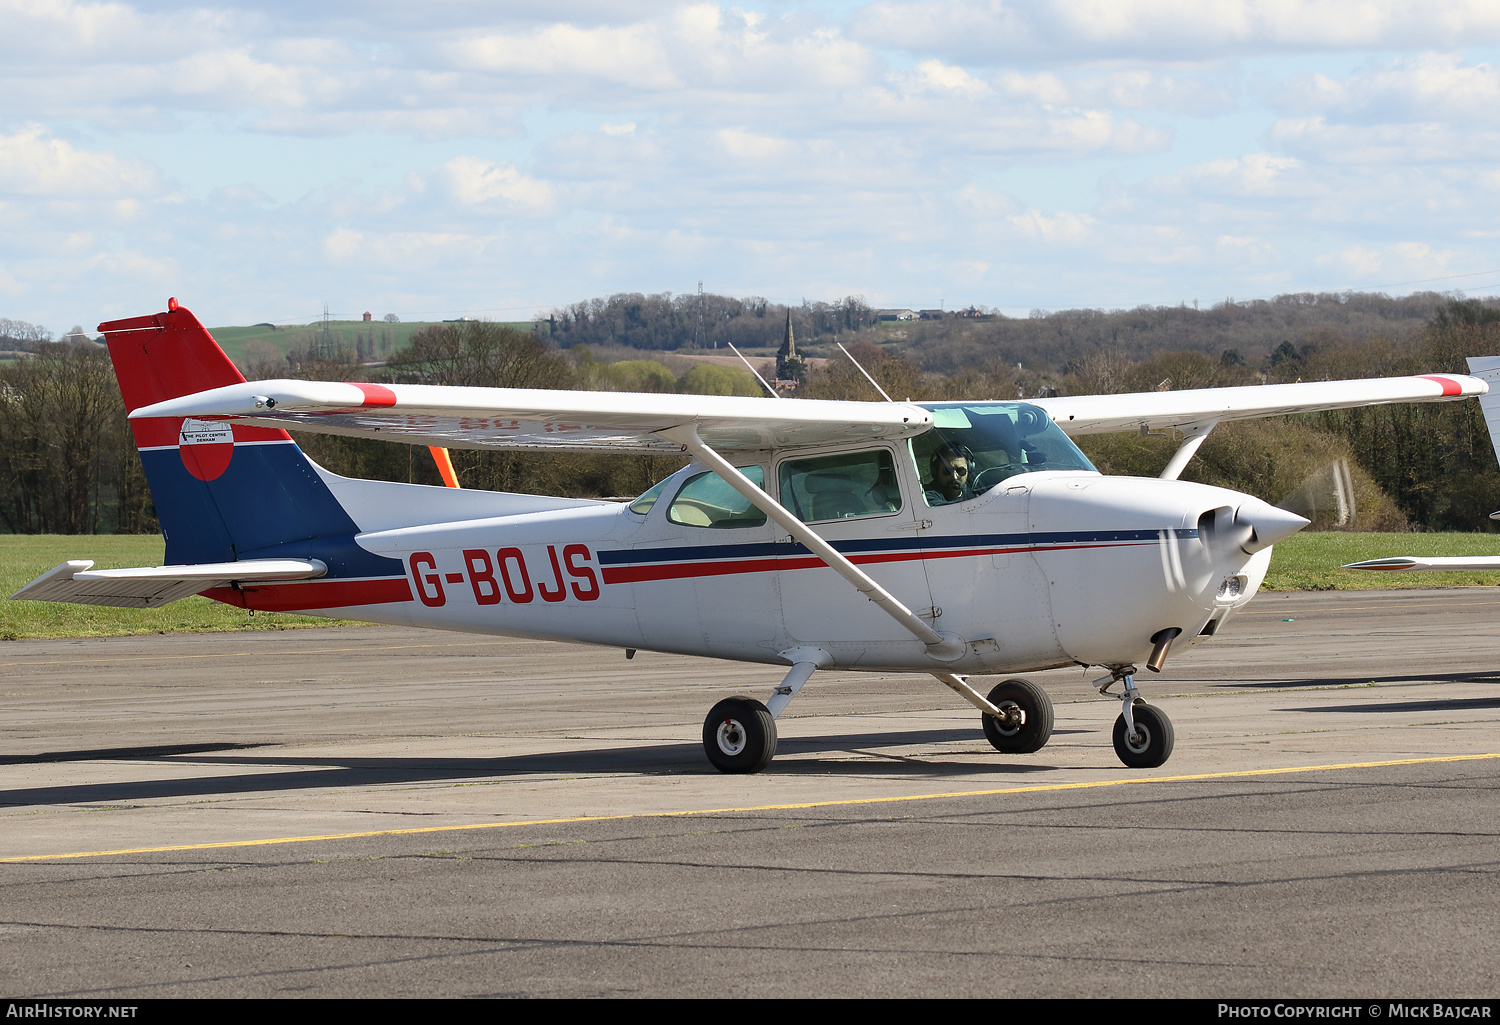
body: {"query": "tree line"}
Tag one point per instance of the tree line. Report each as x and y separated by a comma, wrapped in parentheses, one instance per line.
(667, 322)
(68, 465)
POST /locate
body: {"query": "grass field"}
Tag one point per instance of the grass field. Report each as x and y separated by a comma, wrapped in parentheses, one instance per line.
(1311, 561)
(293, 336)
(1303, 562)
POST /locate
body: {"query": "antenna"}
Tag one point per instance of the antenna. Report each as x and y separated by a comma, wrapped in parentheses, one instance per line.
(762, 380)
(862, 370)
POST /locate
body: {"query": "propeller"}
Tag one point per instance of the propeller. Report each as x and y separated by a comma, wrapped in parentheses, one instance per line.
(1327, 492)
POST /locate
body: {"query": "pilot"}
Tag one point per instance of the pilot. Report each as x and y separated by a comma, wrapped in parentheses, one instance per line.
(950, 476)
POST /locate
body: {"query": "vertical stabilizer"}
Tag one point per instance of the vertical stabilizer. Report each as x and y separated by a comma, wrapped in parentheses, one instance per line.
(223, 492)
(1487, 369)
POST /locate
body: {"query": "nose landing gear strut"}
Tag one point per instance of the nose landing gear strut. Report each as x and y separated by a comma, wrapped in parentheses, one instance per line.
(1143, 734)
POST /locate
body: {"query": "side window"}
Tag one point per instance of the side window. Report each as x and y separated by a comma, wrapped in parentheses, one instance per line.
(707, 500)
(841, 487)
(644, 504)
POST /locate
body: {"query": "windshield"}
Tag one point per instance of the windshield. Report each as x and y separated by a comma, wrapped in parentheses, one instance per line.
(975, 445)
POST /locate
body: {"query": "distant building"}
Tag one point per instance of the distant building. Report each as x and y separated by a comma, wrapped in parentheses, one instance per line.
(896, 314)
(367, 315)
(931, 314)
(790, 369)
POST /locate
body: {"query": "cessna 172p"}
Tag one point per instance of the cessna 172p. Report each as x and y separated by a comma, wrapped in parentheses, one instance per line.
(949, 538)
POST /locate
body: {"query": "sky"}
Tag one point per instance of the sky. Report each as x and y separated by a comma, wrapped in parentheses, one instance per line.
(462, 158)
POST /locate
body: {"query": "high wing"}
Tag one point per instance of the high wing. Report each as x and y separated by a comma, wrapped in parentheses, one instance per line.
(1198, 411)
(1184, 410)
(459, 417)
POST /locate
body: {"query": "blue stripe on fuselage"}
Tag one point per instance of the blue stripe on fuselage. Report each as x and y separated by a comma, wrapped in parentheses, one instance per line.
(863, 546)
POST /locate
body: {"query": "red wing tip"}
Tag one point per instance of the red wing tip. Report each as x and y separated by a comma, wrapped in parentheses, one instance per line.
(377, 395)
(1456, 384)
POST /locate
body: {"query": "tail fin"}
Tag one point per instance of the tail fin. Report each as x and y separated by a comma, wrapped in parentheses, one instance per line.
(225, 493)
(1487, 369)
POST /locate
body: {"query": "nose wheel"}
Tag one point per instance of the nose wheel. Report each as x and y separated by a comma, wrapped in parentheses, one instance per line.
(1143, 734)
(1147, 742)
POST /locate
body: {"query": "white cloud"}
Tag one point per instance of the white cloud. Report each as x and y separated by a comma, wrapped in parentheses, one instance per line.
(1044, 152)
(1407, 260)
(934, 74)
(1188, 30)
(1054, 228)
(32, 164)
(476, 182)
(404, 250)
(1429, 88)
(742, 145)
(1253, 175)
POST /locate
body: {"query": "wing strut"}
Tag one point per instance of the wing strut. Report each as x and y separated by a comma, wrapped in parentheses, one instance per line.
(1192, 437)
(945, 648)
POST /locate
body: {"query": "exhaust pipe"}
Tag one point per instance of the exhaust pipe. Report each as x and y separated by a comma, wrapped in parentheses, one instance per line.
(1161, 644)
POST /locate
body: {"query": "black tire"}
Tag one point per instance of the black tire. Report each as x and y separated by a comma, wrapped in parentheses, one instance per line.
(1035, 728)
(1154, 745)
(739, 735)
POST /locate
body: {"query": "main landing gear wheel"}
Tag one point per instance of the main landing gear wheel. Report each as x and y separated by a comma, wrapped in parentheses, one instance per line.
(1152, 744)
(1028, 724)
(739, 735)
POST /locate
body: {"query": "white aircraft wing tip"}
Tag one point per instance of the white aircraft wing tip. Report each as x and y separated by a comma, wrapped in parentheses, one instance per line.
(1441, 563)
(1397, 563)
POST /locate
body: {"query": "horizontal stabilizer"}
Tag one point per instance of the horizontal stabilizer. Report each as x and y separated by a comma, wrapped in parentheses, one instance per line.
(1403, 563)
(149, 587)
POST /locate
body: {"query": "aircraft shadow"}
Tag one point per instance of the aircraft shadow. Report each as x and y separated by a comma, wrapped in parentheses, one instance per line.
(120, 753)
(1357, 681)
(795, 756)
(1435, 705)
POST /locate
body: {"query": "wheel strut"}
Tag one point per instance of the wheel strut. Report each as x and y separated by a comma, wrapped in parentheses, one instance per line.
(1143, 734)
(1127, 699)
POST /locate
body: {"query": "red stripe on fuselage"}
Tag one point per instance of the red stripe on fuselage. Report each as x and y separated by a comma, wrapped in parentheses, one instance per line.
(313, 594)
(682, 571)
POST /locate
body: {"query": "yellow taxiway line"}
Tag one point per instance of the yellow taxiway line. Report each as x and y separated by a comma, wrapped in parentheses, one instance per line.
(1039, 788)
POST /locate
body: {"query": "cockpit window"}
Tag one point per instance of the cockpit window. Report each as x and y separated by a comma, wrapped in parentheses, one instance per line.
(974, 446)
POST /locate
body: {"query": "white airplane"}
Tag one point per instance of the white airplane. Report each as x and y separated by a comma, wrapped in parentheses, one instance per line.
(1487, 369)
(947, 538)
